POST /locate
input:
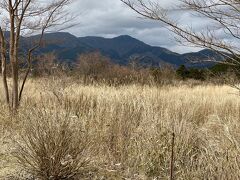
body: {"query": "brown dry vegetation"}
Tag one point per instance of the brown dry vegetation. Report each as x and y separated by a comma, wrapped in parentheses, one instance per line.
(121, 132)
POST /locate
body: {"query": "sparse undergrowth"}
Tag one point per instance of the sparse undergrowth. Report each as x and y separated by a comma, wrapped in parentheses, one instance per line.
(100, 132)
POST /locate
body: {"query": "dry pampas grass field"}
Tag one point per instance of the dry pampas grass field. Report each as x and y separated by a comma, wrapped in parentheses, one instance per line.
(65, 130)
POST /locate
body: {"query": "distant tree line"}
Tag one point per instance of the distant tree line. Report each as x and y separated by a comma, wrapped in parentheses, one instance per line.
(220, 70)
(191, 73)
(94, 67)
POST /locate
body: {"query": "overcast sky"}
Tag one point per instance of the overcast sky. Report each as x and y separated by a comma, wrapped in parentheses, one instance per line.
(110, 18)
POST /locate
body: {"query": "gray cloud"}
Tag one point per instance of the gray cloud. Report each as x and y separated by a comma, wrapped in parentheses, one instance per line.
(110, 18)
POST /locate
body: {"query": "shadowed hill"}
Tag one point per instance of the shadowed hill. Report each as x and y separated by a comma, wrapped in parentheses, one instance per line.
(120, 49)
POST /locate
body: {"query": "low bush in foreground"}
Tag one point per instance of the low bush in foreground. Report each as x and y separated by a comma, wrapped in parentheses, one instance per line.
(51, 146)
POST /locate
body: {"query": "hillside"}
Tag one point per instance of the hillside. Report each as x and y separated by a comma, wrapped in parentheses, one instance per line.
(120, 49)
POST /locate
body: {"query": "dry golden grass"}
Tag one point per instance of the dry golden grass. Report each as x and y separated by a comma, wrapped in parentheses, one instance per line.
(129, 128)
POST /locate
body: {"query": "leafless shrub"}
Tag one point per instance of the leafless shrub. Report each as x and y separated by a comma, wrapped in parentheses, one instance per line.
(93, 64)
(95, 68)
(45, 64)
(51, 147)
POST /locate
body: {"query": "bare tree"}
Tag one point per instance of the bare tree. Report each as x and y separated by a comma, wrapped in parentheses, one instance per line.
(223, 16)
(46, 63)
(19, 18)
(93, 64)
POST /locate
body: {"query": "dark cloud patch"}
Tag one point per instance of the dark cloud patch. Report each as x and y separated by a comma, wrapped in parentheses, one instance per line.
(110, 18)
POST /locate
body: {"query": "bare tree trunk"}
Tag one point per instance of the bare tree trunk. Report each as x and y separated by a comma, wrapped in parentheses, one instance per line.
(15, 102)
(4, 80)
(13, 60)
(4, 67)
(26, 75)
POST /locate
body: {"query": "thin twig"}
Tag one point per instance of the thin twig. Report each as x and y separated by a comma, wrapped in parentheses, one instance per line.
(172, 157)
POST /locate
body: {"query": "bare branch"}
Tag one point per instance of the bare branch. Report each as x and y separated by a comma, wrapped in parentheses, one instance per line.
(224, 15)
(21, 17)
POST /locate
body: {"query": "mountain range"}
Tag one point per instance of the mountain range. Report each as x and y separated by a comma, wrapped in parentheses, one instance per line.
(120, 50)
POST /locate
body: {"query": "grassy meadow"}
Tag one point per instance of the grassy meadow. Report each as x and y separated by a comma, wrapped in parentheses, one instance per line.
(68, 130)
